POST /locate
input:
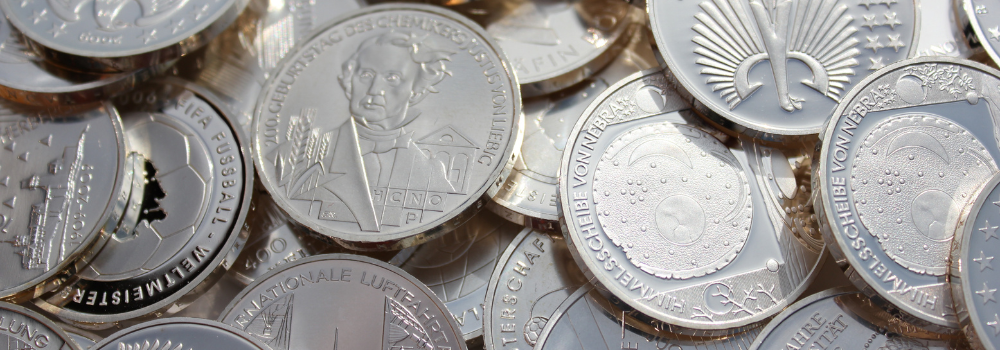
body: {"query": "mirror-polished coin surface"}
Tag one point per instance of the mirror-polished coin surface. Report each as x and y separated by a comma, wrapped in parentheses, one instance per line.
(909, 148)
(178, 334)
(118, 36)
(343, 301)
(457, 266)
(685, 229)
(972, 272)
(183, 217)
(556, 44)
(842, 319)
(421, 119)
(533, 277)
(64, 171)
(985, 23)
(586, 320)
(777, 68)
(21, 328)
(941, 30)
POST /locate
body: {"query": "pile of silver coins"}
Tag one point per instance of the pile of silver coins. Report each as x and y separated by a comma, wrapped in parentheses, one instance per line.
(499, 174)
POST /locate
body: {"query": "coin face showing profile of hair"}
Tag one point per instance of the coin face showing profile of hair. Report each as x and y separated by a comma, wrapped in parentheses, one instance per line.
(382, 156)
(778, 68)
(907, 151)
(65, 171)
(985, 24)
(188, 202)
(377, 306)
(973, 278)
(180, 333)
(685, 226)
(21, 328)
(842, 318)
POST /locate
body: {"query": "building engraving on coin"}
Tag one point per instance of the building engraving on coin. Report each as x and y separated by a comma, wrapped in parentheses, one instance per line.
(359, 161)
(814, 52)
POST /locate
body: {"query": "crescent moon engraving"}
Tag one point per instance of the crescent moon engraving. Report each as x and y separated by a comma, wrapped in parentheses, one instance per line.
(916, 139)
(659, 147)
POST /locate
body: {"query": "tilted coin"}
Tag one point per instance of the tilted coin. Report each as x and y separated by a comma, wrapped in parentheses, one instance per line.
(972, 273)
(376, 305)
(63, 178)
(186, 221)
(21, 328)
(237, 64)
(586, 320)
(83, 339)
(774, 69)
(26, 78)
(556, 44)
(118, 36)
(457, 267)
(532, 278)
(701, 235)
(907, 150)
(985, 24)
(840, 319)
(941, 31)
(354, 159)
(180, 333)
(528, 197)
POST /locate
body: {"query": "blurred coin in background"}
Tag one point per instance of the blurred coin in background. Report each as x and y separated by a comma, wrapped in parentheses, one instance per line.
(180, 333)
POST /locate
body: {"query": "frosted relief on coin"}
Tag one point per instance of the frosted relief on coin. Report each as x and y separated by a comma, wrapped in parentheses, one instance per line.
(377, 306)
(63, 171)
(179, 334)
(908, 150)
(983, 19)
(685, 229)
(360, 136)
(21, 328)
(779, 67)
(973, 277)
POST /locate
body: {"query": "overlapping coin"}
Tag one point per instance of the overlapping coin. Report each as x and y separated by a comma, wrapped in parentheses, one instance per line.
(21, 328)
(972, 273)
(180, 333)
(986, 25)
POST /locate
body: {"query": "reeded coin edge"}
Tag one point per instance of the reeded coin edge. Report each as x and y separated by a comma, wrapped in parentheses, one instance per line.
(179, 320)
(961, 291)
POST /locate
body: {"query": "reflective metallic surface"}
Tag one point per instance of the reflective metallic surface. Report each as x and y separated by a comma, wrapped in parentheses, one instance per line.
(184, 215)
(533, 277)
(83, 339)
(707, 238)
(180, 333)
(377, 306)
(775, 69)
(21, 328)
(383, 157)
(941, 30)
(972, 273)
(909, 149)
(985, 24)
(63, 174)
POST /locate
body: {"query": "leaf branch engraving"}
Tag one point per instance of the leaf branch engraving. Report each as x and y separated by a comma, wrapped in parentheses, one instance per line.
(750, 303)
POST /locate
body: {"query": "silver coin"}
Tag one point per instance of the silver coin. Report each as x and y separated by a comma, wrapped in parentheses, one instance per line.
(83, 339)
(588, 321)
(237, 64)
(985, 24)
(178, 334)
(908, 149)
(377, 306)
(941, 31)
(528, 197)
(555, 44)
(533, 277)
(21, 328)
(118, 36)
(26, 78)
(777, 69)
(354, 159)
(682, 227)
(457, 267)
(176, 233)
(972, 254)
(64, 171)
(840, 319)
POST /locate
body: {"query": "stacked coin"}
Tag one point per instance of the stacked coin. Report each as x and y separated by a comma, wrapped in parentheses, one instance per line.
(499, 174)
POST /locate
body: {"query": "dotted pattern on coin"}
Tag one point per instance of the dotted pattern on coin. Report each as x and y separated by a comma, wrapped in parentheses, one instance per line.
(908, 150)
(178, 334)
(983, 17)
(973, 277)
(774, 68)
(61, 183)
(355, 159)
(21, 328)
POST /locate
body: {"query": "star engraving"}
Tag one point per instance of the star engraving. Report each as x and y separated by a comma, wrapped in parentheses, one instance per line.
(995, 33)
(200, 12)
(987, 294)
(179, 26)
(38, 16)
(873, 43)
(147, 37)
(867, 3)
(876, 63)
(995, 324)
(894, 42)
(58, 29)
(870, 22)
(891, 20)
(25, 3)
(888, 3)
(989, 231)
(997, 203)
(985, 262)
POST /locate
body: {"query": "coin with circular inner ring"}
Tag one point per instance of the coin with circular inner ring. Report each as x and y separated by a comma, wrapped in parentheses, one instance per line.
(971, 268)
(183, 218)
(382, 157)
(178, 333)
(985, 25)
(21, 328)
(909, 148)
(682, 224)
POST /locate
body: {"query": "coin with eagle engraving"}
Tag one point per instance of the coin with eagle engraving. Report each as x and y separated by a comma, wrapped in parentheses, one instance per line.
(179, 333)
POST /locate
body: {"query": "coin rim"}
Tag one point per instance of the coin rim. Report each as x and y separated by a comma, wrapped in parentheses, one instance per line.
(970, 14)
(494, 283)
(179, 320)
(55, 329)
(795, 307)
(968, 317)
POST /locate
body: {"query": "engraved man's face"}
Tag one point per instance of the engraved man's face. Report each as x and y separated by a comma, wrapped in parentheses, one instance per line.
(382, 86)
